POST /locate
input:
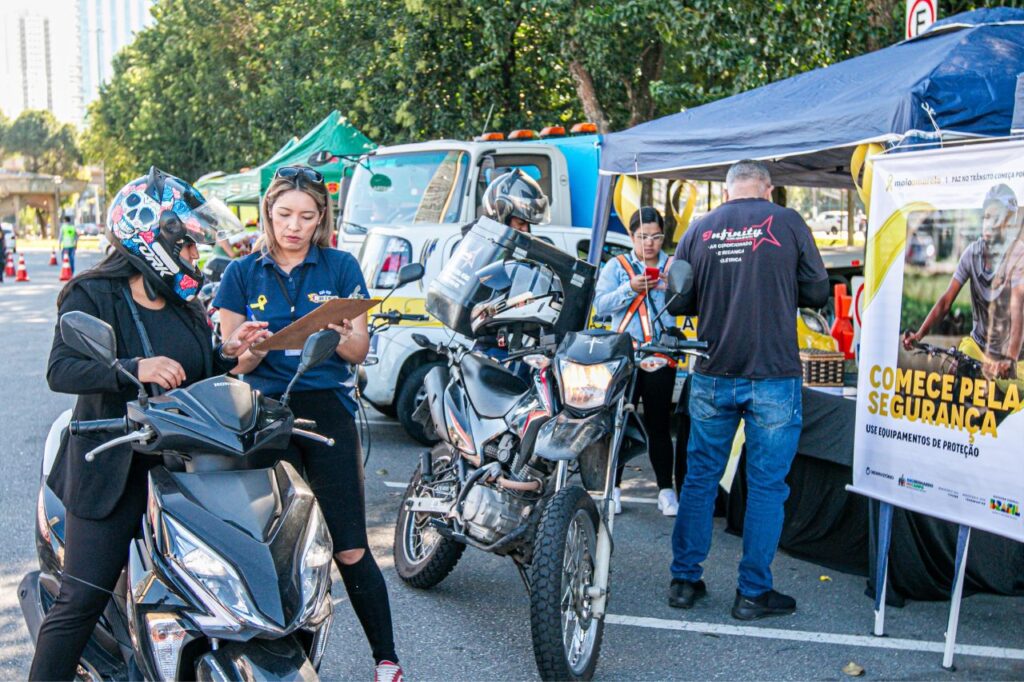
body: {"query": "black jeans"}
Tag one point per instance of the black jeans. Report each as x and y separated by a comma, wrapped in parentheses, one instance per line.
(655, 389)
(94, 555)
(335, 474)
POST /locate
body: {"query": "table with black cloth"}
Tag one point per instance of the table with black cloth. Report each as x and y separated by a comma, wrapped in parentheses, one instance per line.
(831, 527)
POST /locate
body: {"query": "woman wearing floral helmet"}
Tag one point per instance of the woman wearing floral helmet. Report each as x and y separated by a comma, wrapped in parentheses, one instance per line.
(145, 289)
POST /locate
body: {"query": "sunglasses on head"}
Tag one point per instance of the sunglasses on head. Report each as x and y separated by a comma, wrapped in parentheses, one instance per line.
(300, 174)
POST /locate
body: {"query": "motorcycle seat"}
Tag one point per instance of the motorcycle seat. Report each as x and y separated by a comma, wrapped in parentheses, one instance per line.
(492, 389)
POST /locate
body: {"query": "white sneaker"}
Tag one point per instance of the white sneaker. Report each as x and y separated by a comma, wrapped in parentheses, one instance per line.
(617, 500)
(668, 503)
(386, 671)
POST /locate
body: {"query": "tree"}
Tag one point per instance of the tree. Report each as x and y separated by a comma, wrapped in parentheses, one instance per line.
(44, 144)
(4, 124)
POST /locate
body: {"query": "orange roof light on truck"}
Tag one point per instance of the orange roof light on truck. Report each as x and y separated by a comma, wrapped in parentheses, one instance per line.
(584, 129)
(522, 134)
(489, 137)
(552, 131)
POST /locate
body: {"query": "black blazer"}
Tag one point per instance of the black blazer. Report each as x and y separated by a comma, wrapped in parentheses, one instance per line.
(92, 490)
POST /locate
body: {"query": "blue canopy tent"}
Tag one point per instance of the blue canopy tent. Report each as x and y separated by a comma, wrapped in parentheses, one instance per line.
(956, 79)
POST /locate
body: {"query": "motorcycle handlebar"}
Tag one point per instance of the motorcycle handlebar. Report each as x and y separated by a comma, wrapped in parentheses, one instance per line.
(119, 425)
(307, 424)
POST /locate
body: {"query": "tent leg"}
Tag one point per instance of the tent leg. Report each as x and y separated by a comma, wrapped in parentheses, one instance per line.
(882, 569)
(963, 539)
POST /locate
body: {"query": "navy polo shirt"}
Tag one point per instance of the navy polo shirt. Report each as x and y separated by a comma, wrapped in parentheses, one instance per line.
(255, 286)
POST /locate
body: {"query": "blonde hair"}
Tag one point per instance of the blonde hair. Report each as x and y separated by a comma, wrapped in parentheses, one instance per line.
(267, 243)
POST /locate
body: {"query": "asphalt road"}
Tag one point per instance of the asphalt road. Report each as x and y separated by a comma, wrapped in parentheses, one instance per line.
(475, 625)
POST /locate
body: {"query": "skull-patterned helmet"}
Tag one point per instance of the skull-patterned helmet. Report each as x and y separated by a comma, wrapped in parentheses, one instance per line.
(149, 222)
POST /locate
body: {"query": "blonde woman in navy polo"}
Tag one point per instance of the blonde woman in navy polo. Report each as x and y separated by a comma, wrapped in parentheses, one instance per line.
(292, 272)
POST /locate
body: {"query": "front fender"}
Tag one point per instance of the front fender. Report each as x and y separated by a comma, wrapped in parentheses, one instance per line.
(257, 659)
(566, 437)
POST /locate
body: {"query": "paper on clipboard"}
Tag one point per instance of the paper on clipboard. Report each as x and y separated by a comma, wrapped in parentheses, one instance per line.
(334, 311)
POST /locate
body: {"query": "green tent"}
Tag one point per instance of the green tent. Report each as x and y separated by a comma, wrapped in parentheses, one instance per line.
(329, 147)
(237, 188)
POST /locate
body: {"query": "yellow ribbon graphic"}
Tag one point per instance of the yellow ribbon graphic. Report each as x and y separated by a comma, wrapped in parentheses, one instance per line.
(260, 303)
(682, 209)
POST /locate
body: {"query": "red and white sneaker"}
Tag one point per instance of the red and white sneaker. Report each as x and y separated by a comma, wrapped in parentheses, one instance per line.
(386, 671)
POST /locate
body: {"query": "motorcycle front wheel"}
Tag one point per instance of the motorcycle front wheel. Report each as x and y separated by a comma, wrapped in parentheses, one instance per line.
(566, 636)
(423, 558)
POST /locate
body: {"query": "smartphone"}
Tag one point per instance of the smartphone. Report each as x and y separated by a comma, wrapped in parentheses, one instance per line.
(652, 273)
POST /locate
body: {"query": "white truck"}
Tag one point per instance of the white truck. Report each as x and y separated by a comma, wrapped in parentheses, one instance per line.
(408, 203)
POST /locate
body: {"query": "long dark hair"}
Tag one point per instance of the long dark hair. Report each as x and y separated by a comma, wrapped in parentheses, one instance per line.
(116, 266)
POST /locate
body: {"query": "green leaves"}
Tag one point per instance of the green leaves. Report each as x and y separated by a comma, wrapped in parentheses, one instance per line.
(44, 144)
(215, 85)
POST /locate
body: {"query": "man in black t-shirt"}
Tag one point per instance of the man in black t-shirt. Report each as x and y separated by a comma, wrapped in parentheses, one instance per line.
(754, 263)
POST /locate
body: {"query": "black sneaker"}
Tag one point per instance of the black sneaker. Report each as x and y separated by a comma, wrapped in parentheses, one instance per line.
(771, 603)
(682, 594)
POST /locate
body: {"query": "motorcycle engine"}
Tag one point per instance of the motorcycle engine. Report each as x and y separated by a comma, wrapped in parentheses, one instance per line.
(491, 514)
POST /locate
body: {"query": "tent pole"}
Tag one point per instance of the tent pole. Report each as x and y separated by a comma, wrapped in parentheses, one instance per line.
(963, 539)
(882, 565)
(602, 207)
(849, 217)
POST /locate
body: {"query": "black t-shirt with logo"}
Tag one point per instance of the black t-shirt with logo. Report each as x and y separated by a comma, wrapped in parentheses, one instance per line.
(748, 256)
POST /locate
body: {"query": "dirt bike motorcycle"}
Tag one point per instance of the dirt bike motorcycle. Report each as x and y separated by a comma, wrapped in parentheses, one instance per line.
(230, 575)
(522, 459)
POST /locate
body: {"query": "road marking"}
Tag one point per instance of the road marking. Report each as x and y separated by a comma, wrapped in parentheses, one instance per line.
(638, 500)
(816, 637)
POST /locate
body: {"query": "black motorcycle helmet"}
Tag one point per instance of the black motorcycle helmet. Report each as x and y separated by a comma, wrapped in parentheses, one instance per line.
(149, 222)
(516, 195)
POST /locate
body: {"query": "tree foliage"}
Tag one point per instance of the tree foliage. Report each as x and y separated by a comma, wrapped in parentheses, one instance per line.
(215, 85)
(44, 144)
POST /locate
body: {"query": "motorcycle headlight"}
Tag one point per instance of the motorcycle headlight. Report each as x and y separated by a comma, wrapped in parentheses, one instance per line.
(316, 564)
(198, 563)
(586, 386)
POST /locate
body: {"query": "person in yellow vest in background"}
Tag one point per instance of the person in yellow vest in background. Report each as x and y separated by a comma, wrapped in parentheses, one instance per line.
(631, 288)
(68, 240)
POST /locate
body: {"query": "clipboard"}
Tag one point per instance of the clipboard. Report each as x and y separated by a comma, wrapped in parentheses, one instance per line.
(334, 311)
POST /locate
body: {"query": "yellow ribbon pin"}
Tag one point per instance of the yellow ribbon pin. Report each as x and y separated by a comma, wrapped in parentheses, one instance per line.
(260, 303)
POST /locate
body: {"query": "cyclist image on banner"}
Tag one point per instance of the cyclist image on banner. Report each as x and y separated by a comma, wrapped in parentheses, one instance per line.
(975, 327)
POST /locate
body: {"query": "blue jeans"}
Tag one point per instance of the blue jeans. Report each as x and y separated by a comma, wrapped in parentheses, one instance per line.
(772, 416)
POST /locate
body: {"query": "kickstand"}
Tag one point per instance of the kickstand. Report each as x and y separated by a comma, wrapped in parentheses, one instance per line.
(525, 577)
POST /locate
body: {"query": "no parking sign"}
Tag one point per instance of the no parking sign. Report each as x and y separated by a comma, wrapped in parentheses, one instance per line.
(920, 15)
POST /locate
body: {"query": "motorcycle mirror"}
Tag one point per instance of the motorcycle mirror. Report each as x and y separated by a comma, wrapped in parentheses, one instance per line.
(318, 347)
(411, 272)
(94, 338)
(680, 285)
(680, 277)
(495, 276)
(90, 336)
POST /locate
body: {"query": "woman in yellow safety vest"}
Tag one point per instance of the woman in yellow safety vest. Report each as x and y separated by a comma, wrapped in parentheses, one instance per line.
(632, 290)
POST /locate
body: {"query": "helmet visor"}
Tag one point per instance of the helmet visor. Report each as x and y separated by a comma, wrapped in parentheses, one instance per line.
(534, 210)
(211, 221)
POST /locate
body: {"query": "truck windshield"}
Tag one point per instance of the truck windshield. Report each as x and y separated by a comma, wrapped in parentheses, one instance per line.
(410, 188)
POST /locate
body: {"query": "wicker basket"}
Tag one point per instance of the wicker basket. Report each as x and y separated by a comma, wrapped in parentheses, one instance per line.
(822, 367)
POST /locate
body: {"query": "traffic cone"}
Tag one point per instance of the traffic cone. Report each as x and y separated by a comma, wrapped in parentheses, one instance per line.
(9, 269)
(65, 269)
(53, 257)
(22, 270)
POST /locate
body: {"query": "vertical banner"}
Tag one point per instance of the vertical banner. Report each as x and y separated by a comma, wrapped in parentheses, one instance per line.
(940, 390)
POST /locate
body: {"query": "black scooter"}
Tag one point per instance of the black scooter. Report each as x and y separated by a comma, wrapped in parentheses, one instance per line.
(230, 575)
